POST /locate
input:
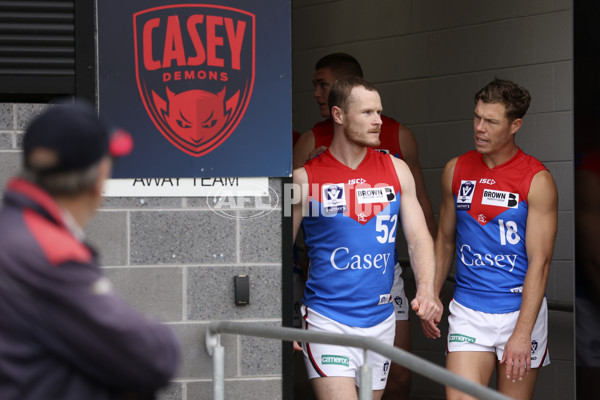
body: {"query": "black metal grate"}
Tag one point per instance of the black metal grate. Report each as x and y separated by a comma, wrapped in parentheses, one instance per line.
(37, 47)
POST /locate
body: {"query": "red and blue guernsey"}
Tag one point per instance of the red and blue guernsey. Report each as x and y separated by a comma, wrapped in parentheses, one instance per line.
(491, 216)
(350, 232)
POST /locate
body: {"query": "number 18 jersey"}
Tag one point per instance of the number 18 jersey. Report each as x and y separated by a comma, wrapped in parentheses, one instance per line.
(350, 232)
(491, 217)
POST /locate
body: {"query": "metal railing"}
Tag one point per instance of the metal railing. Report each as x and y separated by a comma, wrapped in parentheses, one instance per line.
(399, 356)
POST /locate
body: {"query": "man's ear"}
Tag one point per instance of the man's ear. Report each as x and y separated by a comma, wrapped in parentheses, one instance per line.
(337, 114)
(516, 125)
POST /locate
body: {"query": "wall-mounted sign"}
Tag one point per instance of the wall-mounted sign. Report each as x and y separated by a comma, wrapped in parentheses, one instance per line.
(204, 89)
(186, 187)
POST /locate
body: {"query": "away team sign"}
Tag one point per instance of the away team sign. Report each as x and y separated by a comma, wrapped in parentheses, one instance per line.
(195, 71)
(203, 88)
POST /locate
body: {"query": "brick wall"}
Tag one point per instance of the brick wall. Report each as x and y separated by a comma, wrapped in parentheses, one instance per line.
(174, 259)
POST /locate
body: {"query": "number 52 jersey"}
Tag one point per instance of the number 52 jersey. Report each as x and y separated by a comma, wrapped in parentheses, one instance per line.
(350, 231)
(491, 217)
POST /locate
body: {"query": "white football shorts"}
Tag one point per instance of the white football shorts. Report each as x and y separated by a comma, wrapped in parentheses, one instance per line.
(326, 360)
(471, 330)
(401, 305)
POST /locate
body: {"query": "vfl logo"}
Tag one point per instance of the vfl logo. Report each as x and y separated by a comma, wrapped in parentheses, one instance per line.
(398, 300)
(465, 195)
(466, 190)
(334, 200)
(334, 192)
(195, 67)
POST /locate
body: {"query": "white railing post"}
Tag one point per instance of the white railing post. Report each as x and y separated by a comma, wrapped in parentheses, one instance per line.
(214, 348)
(219, 373)
(366, 376)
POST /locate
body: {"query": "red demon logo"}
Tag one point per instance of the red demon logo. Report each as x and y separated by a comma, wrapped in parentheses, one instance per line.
(195, 71)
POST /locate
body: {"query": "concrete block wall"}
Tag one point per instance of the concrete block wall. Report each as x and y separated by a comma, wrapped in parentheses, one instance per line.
(428, 58)
(174, 259)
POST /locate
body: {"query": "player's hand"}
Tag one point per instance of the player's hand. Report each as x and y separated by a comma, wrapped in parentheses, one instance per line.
(430, 328)
(517, 356)
(316, 152)
(297, 347)
(425, 305)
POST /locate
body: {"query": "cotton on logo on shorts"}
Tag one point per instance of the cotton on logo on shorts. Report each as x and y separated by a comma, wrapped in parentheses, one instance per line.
(455, 337)
(335, 360)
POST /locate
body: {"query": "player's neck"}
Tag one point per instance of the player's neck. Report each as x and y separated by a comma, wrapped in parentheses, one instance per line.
(496, 158)
(348, 153)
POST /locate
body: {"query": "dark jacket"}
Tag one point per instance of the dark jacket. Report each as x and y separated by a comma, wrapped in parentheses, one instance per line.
(63, 333)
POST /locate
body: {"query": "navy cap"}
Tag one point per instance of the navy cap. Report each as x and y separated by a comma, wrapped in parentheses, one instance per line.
(70, 137)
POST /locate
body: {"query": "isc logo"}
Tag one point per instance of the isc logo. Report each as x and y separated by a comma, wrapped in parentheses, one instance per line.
(357, 181)
(487, 181)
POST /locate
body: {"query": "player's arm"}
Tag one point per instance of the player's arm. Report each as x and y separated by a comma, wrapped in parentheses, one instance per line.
(420, 244)
(410, 154)
(445, 242)
(444, 246)
(300, 179)
(302, 149)
(542, 221)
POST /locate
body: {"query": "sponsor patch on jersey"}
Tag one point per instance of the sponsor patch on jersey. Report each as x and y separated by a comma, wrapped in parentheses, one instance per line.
(457, 337)
(517, 289)
(500, 199)
(465, 195)
(384, 151)
(376, 195)
(328, 359)
(334, 198)
(356, 181)
(385, 299)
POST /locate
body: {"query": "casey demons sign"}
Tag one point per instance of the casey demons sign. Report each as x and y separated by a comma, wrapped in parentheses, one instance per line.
(195, 71)
(204, 88)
